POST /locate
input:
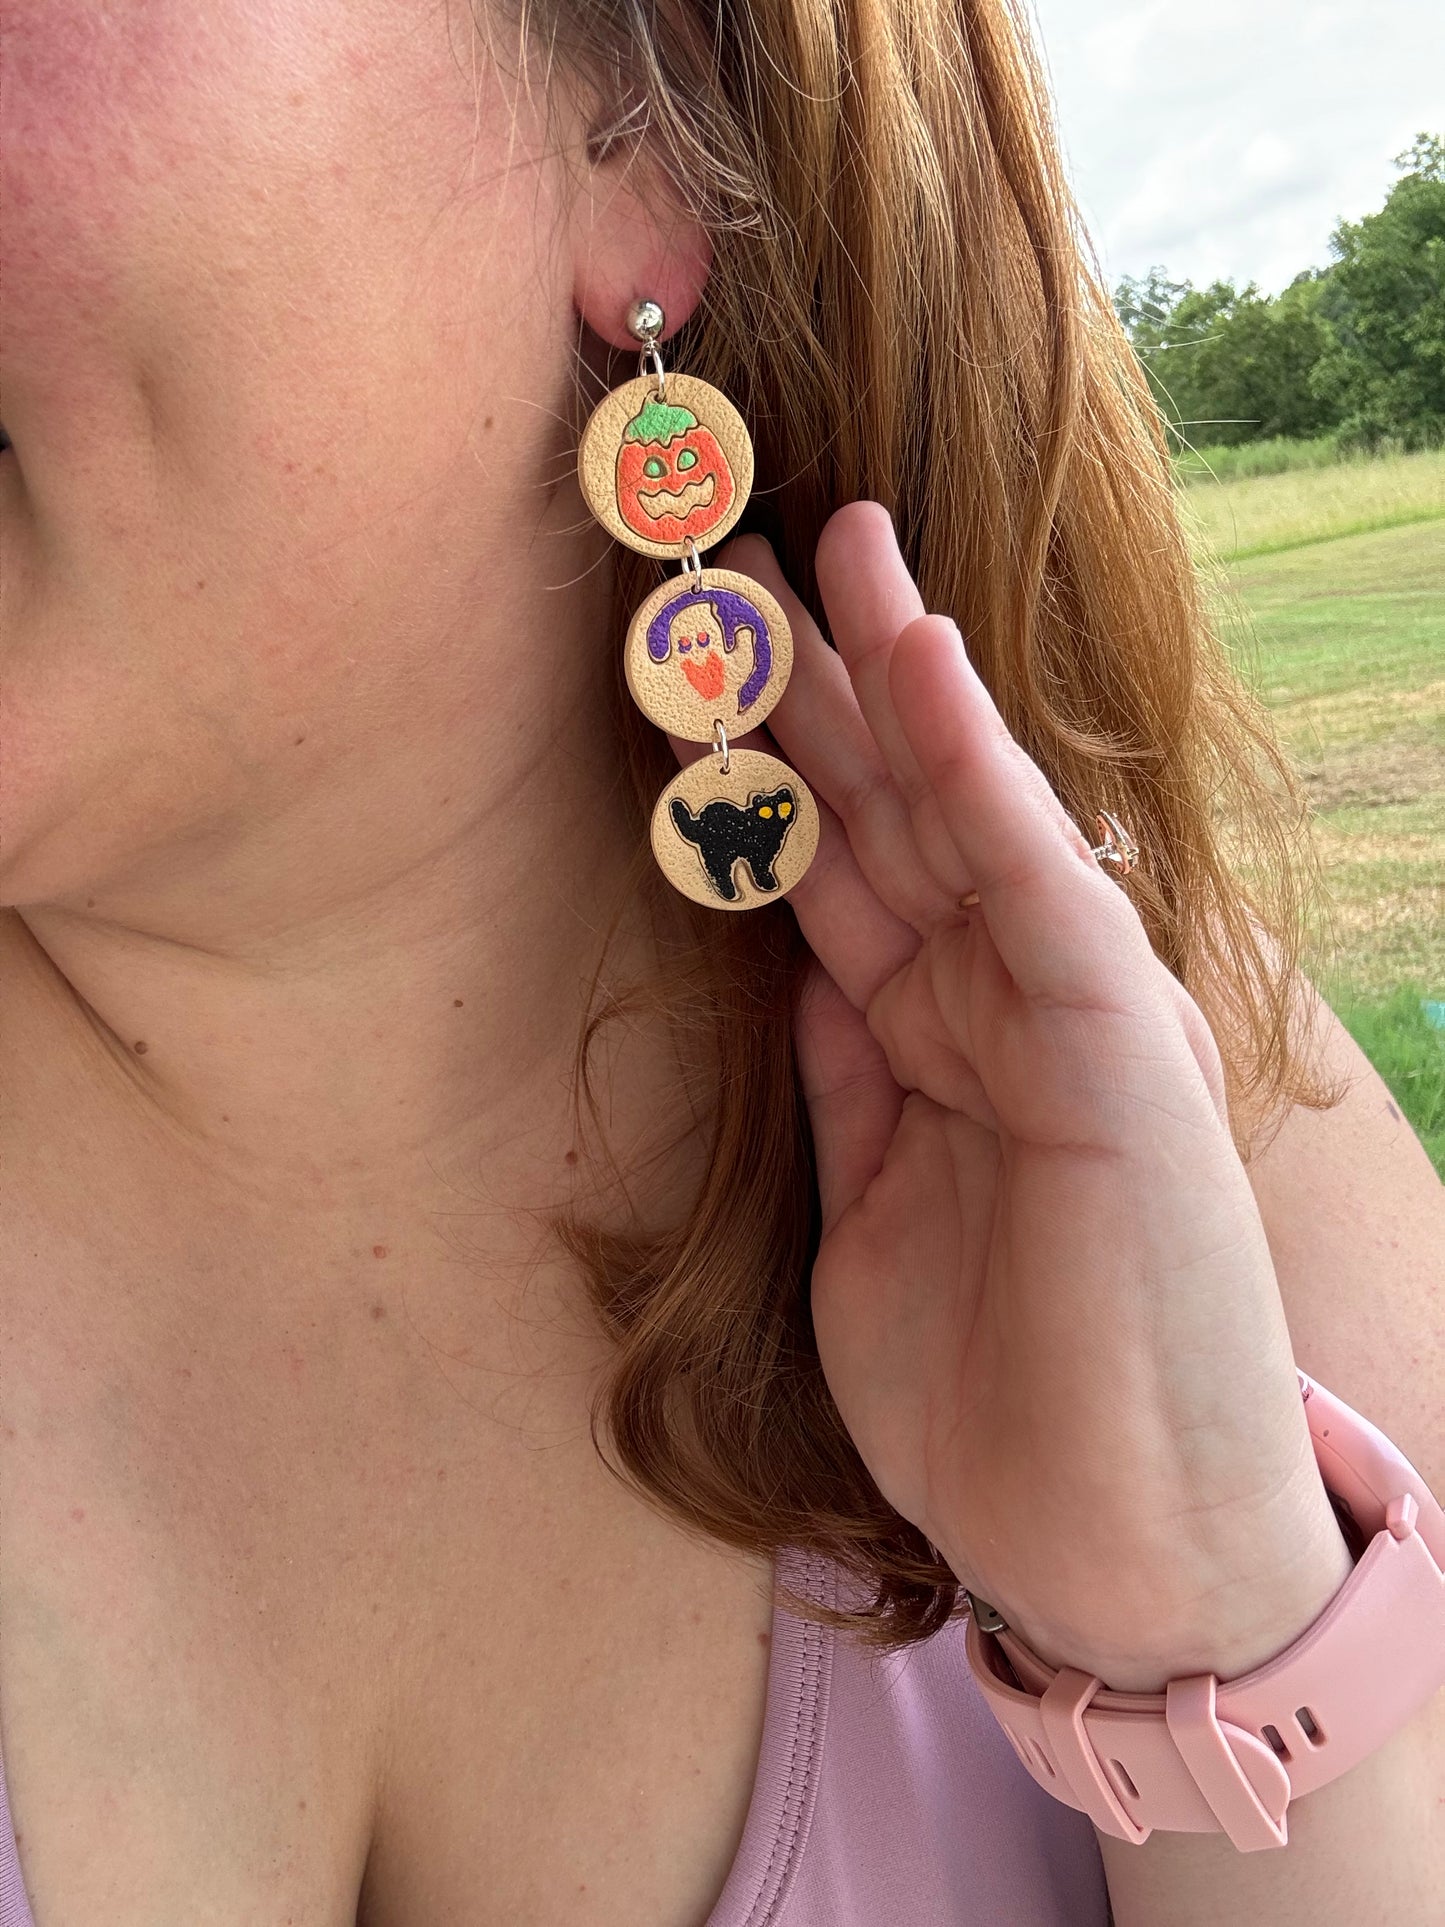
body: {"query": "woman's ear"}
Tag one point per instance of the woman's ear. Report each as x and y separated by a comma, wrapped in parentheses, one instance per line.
(633, 238)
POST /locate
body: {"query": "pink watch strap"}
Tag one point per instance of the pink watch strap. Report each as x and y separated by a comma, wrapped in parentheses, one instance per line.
(1206, 1756)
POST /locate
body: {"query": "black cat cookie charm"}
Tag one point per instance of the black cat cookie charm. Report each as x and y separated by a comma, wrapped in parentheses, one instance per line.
(666, 465)
(735, 829)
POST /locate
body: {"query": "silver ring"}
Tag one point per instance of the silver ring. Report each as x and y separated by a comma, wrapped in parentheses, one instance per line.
(1118, 848)
(720, 741)
(1118, 851)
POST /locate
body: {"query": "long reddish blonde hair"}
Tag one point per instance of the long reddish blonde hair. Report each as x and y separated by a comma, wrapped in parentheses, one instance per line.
(902, 307)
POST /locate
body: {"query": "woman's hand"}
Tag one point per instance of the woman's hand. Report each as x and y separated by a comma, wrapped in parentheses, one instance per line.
(1044, 1300)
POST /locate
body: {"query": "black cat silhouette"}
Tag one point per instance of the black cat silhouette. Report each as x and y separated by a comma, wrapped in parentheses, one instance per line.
(725, 835)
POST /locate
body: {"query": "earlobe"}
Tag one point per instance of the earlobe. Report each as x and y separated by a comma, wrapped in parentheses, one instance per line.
(634, 239)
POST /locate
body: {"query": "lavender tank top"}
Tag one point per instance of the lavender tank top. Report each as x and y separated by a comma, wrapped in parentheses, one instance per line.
(885, 1792)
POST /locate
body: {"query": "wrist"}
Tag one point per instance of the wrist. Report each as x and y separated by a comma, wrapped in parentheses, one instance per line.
(1227, 1634)
(1210, 1753)
(1233, 1615)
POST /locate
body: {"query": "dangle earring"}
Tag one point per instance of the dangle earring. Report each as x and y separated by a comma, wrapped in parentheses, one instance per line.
(666, 466)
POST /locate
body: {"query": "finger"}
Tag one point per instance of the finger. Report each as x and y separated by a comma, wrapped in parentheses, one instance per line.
(928, 1047)
(870, 595)
(850, 930)
(854, 935)
(1063, 929)
(822, 733)
(853, 1102)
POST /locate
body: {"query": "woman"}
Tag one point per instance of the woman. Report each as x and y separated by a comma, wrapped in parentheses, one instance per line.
(324, 1255)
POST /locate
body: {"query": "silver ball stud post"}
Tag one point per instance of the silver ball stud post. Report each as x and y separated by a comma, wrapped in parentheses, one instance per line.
(645, 321)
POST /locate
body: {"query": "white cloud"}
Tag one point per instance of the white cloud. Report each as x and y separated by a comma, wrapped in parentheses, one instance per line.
(1227, 140)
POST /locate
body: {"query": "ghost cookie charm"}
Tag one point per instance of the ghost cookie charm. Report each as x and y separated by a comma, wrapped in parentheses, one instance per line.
(665, 464)
(720, 651)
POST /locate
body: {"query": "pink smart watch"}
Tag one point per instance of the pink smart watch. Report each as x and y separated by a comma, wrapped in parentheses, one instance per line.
(1209, 1755)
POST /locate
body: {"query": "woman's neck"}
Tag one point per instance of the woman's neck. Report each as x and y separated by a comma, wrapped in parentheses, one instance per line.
(346, 1043)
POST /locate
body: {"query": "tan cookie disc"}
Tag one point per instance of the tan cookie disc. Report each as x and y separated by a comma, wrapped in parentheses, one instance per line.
(722, 652)
(722, 840)
(656, 473)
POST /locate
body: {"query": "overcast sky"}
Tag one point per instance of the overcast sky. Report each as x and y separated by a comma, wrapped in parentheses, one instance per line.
(1225, 138)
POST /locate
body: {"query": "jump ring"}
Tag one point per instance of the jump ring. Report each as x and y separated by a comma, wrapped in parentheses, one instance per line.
(720, 740)
(651, 351)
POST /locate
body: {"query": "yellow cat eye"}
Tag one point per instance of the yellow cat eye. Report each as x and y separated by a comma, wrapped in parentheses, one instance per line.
(766, 810)
(785, 809)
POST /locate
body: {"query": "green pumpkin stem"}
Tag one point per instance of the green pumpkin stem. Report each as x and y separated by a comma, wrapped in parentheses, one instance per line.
(659, 421)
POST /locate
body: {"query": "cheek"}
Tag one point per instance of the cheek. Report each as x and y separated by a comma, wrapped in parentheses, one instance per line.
(74, 154)
(247, 305)
(230, 248)
(158, 161)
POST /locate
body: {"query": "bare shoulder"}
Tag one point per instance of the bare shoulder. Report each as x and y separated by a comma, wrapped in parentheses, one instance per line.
(1356, 1221)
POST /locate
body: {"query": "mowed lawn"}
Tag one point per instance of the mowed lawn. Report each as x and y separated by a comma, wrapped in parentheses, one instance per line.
(1344, 637)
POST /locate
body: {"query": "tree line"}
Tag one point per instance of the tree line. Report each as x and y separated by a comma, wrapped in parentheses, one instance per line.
(1356, 348)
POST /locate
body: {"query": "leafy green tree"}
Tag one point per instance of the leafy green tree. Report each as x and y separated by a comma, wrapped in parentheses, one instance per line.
(1253, 367)
(1228, 364)
(1424, 156)
(1145, 302)
(1384, 309)
(1166, 321)
(1359, 345)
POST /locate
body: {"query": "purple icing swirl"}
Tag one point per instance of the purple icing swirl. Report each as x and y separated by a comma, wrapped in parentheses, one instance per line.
(734, 612)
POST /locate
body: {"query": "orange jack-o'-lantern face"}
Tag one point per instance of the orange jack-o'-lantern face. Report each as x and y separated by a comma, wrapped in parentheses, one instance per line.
(673, 480)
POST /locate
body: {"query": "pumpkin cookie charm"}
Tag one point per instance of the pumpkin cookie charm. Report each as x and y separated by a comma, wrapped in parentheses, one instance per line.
(659, 474)
(673, 480)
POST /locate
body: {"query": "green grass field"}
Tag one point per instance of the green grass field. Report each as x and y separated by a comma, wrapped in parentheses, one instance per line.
(1275, 456)
(1333, 581)
(1269, 514)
